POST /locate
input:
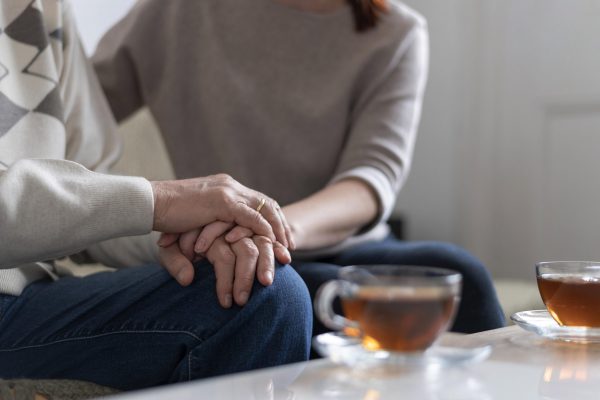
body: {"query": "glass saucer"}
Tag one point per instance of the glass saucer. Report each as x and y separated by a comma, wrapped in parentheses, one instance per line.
(347, 350)
(542, 323)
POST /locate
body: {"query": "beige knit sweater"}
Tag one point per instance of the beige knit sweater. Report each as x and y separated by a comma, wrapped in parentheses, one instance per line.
(57, 140)
(284, 101)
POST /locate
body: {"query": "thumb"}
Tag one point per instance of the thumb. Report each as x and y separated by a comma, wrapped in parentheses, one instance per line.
(178, 266)
(167, 239)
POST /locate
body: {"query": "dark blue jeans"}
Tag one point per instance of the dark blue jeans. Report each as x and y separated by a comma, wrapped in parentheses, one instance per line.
(137, 327)
(479, 308)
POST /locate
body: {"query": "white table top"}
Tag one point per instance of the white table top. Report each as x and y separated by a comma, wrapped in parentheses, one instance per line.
(521, 366)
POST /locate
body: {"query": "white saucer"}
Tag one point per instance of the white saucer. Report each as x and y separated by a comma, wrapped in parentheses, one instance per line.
(347, 350)
(542, 323)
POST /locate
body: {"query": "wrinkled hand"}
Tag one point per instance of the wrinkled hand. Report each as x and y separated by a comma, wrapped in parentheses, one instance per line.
(184, 205)
(236, 264)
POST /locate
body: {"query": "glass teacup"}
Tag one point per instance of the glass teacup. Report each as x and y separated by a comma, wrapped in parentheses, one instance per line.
(393, 308)
(571, 291)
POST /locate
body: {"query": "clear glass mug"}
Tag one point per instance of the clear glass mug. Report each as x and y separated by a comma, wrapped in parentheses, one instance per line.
(571, 291)
(391, 307)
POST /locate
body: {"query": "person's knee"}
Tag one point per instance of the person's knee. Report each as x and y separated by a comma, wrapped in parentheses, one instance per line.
(316, 274)
(287, 305)
(288, 297)
(453, 256)
(447, 250)
(273, 328)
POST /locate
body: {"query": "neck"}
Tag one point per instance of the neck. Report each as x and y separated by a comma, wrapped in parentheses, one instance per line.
(316, 6)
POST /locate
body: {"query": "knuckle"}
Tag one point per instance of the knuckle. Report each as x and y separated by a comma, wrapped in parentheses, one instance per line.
(262, 240)
(247, 248)
(245, 280)
(269, 206)
(227, 194)
(223, 178)
(257, 218)
(252, 251)
(226, 255)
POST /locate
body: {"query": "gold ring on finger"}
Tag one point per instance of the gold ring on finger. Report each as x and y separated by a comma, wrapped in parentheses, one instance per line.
(261, 205)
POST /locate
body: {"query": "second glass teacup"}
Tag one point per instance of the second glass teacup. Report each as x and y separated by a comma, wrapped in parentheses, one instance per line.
(394, 308)
(571, 291)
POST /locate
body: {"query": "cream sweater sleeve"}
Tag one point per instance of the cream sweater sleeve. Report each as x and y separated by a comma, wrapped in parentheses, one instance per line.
(53, 208)
(123, 252)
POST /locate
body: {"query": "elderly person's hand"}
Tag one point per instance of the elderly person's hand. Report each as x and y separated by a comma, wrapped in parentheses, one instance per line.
(184, 205)
(236, 264)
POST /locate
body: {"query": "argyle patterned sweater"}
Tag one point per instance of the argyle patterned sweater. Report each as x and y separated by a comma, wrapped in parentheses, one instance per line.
(57, 140)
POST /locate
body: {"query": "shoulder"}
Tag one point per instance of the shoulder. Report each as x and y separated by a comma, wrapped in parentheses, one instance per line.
(402, 16)
(400, 42)
(401, 25)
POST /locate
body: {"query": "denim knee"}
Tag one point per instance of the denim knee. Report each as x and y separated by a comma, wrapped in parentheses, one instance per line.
(450, 255)
(288, 304)
(273, 328)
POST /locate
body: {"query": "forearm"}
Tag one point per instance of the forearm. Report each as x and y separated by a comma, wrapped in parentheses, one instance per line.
(332, 214)
(53, 208)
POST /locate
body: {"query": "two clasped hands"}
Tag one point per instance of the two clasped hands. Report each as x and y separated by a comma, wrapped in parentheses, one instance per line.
(239, 230)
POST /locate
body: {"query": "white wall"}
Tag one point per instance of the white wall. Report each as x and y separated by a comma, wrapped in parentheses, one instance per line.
(428, 202)
(505, 165)
(94, 17)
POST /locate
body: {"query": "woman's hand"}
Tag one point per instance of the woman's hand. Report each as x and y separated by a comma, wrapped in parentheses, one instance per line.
(184, 205)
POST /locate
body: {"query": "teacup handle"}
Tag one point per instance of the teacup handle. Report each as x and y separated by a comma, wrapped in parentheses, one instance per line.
(324, 304)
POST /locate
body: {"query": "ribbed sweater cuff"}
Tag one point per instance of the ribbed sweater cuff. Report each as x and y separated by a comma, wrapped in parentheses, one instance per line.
(126, 208)
(381, 186)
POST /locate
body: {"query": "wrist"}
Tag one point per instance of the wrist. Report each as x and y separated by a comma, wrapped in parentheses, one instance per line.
(297, 229)
(160, 199)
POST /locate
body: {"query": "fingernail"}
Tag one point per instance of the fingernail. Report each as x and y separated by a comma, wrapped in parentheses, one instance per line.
(229, 237)
(269, 276)
(244, 297)
(200, 246)
(181, 276)
(161, 242)
(227, 301)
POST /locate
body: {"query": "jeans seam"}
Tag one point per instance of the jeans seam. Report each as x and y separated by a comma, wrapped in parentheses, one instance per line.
(190, 365)
(194, 336)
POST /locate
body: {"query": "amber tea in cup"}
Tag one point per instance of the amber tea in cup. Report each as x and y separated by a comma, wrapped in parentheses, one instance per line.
(571, 291)
(393, 308)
